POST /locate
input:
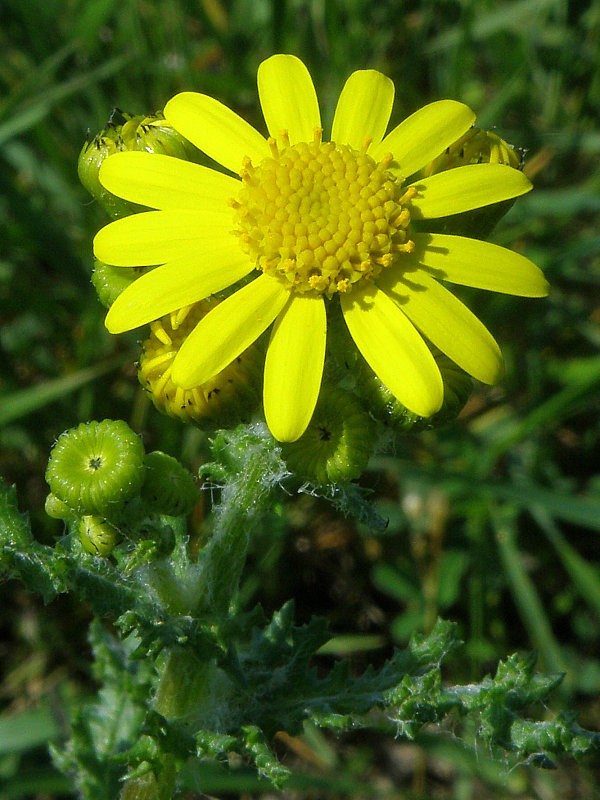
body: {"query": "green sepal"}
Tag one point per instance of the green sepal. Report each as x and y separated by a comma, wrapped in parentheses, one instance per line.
(169, 487)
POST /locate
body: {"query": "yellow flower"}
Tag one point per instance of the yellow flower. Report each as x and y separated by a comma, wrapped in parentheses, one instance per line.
(321, 223)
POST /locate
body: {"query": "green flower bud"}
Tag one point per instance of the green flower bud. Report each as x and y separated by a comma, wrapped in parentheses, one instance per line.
(476, 146)
(226, 399)
(97, 536)
(337, 444)
(109, 281)
(96, 466)
(458, 386)
(55, 508)
(168, 486)
(152, 134)
(388, 409)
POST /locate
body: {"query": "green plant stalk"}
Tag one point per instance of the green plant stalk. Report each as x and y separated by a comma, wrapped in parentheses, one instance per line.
(157, 785)
(244, 500)
(191, 686)
(183, 682)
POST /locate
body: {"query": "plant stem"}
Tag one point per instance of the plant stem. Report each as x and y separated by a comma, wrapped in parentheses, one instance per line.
(244, 500)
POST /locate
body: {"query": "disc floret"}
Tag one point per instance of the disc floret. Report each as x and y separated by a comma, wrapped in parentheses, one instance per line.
(322, 216)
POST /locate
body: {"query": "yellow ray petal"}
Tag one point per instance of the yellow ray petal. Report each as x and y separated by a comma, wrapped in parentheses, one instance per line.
(154, 237)
(447, 323)
(216, 130)
(160, 181)
(363, 109)
(288, 98)
(294, 367)
(425, 135)
(394, 349)
(471, 262)
(176, 284)
(465, 188)
(228, 330)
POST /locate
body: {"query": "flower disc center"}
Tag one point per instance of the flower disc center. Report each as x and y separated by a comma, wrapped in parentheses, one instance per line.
(322, 217)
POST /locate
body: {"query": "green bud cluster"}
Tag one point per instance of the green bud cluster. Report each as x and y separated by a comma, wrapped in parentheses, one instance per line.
(96, 466)
(102, 481)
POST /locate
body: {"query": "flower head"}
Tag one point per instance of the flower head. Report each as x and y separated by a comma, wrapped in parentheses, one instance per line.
(316, 223)
(228, 396)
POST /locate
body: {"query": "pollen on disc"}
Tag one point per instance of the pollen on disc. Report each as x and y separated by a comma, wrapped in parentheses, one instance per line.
(322, 217)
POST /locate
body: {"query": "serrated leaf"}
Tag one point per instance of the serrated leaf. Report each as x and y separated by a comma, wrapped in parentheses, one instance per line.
(266, 762)
(107, 726)
(36, 564)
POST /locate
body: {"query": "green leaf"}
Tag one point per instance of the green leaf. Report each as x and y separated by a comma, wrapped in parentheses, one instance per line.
(108, 725)
(266, 762)
(36, 564)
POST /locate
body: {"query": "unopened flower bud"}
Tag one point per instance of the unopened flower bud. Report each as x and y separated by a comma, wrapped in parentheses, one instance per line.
(388, 409)
(55, 507)
(152, 134)
(96, 466)
(97, 536)
(109, 281)
(226, 399)
(337, 444)
(476, 146)
(169, 487)
(458, 386)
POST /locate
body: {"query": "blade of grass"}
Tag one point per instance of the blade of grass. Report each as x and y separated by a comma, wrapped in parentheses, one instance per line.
(36, 109)
(509, 16)
(525, 596)
(572, 508)
(31, 728)
(37, 783)
(19, 404)
(550, 413)
(585, 577)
